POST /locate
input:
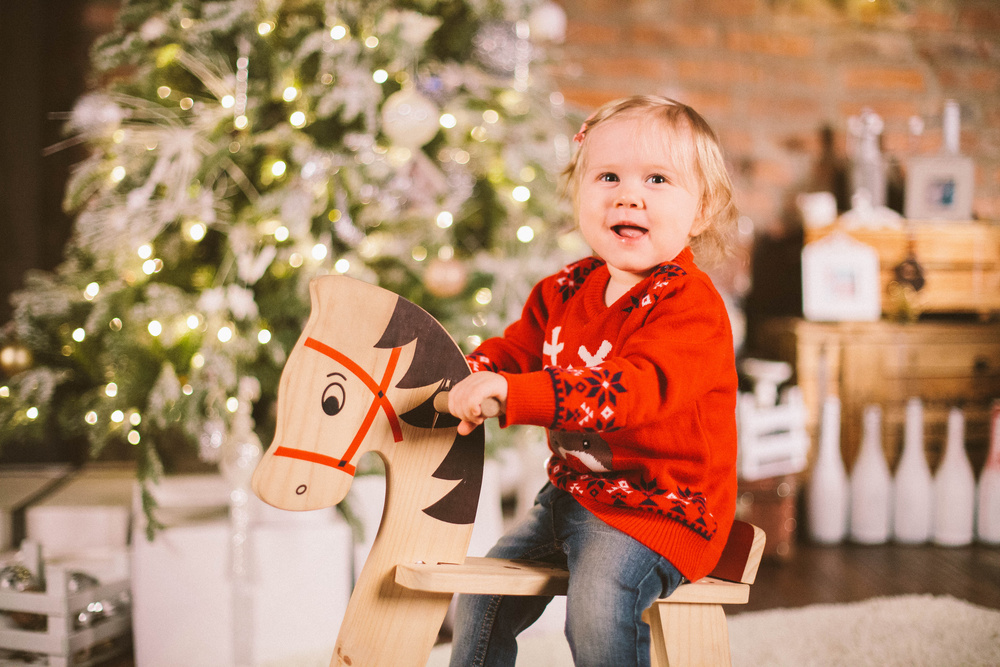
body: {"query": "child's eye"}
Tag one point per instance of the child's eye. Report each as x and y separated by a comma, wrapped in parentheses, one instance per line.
(608, 177)
(658, 178)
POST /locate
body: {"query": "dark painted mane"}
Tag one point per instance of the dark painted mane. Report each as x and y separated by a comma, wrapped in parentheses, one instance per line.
(436, 360)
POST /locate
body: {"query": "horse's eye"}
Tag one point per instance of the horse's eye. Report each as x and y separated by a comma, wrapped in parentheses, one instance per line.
(333, 398)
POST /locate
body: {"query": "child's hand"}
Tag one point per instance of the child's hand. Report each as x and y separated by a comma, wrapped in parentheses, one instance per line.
(466, 397)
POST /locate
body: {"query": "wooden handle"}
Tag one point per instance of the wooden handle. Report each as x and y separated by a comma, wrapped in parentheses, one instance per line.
(490, 407)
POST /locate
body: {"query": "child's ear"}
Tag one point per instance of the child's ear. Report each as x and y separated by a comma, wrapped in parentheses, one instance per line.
(701, 223)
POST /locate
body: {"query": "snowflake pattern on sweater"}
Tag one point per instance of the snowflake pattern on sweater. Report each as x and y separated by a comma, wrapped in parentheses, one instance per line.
(586, 397)
(684, 506)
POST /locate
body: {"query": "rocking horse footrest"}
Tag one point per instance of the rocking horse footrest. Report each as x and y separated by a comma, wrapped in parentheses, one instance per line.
(497, 576)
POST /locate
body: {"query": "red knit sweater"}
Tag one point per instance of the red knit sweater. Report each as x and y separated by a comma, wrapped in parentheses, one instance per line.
(639, 399)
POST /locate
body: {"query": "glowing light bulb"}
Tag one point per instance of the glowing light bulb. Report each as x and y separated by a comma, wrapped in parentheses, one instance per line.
(419, 253)
(118, 416)
(319, 252)
(133, 437)
(263, 336)
(228, 101)
(197, 231)
(149, 267)
(297, 119)
(134, 419)
(111, 390)
(521, 193)
(163, 92)
(225, 334)
(186, 103)
(118, 174)
(198, 360)
(295, 260)
(5, 392)
(193, 321)
(145, 251)
(79, 334)
(91, 291)
(380, 76)
(31, 413)
(448, 121)
(265, 28)
(241, 122)
(90, 418)
(445, 219)
(187, 390)
(154, 328)
(525, 234)
(338, 32)
(278, 168)
(281, 233)
(371, 42)
(290, 93)
(491, 116)
(484, 296)
(342, 266)
(232, 404)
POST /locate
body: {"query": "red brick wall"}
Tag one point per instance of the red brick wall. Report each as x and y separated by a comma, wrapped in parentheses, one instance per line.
(769, 75)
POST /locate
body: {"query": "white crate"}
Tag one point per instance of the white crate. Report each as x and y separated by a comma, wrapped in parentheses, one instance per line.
(63, 643)
(772, 438)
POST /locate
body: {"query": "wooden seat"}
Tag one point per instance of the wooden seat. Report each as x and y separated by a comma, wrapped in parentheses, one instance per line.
(687, 628)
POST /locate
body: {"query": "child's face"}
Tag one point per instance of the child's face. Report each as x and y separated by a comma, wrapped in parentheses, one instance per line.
(637, 207)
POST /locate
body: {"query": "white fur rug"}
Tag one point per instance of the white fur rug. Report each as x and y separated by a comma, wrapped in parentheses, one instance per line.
(906, 631)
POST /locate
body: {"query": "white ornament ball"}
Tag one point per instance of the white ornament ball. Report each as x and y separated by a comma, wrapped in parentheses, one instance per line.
(445, 278)
(548, 23)
(409, 118)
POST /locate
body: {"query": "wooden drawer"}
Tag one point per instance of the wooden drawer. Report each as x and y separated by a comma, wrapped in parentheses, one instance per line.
(944, 364)
(961, 262)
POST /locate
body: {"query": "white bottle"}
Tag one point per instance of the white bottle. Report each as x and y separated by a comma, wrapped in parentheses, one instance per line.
(912, 487)
(827, 492)
(954, 488)
(988, 496)
(870, 484)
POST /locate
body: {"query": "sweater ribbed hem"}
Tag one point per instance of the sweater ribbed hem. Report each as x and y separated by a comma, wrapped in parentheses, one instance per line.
(693, 555)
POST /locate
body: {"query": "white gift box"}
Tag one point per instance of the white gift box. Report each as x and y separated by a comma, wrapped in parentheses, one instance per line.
(182, 582)
(20, 485)
(91, 510)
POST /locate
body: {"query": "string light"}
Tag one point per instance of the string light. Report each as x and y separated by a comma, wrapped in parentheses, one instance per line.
(263, 336)
(371, 42)
(380, 76)
(134, 419)
(197, 230)
(133, 437)
(265, 28)
(31, 413)
(484, 296)
(145, 251)
(5, 392)
(232, 404)
(419, 253)
(448, 121)
(187, 103)
(281, 233)
(90, 291)
(491, 116)
(154, 328)
(115, 324)
(111, 390)
(338, 32)
(225, 334)
(278, 168)
(297, 119)
(90, 418)
(118, 174)
(525, 234)
(228, 102)
(319, 252)
(187, 390)
(198, 360)
(290, 93)
(342, 266)
(295, 260)
(521, 194)
(163, 92)
(193, 321)
(79, 334)
(118, 416)
(445, 219)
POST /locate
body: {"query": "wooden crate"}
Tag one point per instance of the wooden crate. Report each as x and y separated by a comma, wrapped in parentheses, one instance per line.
(942, 363)
(61, 641)
(961, 262)
(771, 504)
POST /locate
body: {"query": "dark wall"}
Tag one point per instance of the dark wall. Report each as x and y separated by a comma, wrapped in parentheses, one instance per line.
(43, 64)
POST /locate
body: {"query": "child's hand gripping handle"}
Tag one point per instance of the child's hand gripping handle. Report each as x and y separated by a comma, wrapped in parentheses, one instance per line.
(490, 407)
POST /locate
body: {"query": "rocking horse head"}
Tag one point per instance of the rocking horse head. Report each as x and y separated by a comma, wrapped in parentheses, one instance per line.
(362, 377)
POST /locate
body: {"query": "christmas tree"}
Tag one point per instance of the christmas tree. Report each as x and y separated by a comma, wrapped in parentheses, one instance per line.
(238, 149)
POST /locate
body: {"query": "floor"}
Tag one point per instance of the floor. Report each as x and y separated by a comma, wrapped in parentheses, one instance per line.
(846, 573)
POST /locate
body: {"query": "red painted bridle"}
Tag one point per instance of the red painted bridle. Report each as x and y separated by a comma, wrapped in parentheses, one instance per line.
(381, 402)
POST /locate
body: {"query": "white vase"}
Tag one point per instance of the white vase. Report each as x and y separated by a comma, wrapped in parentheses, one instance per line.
(870, 484)
(988, 496)
(954, 488)
(827, 492)
(913, 484)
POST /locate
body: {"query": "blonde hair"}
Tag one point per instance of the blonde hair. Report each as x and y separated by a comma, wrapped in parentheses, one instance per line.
(701, 156)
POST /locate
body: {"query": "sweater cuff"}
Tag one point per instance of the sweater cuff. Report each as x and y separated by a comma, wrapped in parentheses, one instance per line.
(530, 399)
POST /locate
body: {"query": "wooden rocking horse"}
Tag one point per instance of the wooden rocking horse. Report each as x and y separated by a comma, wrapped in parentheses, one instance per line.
(364, 376)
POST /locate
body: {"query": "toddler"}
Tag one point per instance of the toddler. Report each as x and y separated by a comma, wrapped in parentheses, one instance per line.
(626, 357)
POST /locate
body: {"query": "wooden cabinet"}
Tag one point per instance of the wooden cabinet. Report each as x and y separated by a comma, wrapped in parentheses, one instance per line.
(943, 363)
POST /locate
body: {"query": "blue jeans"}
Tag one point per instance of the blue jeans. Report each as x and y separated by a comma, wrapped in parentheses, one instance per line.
(613, 579)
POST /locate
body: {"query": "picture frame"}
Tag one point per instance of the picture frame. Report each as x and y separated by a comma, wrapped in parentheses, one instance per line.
(939, 188)
(840, 280)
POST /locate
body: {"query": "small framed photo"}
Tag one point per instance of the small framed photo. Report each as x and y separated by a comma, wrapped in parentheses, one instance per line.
(840, 280)
(939, 188)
